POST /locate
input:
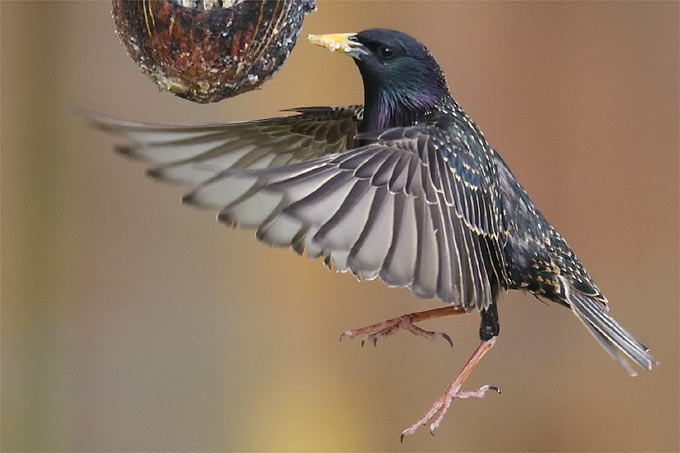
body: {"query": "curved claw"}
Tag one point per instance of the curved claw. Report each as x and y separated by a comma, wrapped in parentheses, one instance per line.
(493, 387)
(445, 337)
(370, 338)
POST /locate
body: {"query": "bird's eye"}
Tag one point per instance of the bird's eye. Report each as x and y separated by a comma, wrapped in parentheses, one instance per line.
(385, 52)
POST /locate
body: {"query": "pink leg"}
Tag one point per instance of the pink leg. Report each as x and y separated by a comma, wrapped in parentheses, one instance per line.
(375, 332)
(442, 404)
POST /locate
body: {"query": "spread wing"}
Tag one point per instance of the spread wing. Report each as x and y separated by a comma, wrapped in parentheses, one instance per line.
(192, 154)
(397, 208)
(414, 206)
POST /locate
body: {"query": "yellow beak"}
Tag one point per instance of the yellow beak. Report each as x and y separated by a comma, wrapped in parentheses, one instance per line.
(340, 41)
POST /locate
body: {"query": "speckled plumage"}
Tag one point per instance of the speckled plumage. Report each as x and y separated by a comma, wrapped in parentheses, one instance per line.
(537, 254)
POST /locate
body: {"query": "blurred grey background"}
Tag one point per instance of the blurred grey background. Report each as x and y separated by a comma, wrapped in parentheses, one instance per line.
(131, 323)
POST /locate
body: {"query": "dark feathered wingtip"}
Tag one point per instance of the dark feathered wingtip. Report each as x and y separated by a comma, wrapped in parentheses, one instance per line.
(187, 198)
(125, 150)
(154, 172)
(225, 218)
(157, 173)
(94, 119)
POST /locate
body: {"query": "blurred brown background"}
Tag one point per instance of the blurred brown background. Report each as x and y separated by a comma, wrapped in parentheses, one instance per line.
(130, 322)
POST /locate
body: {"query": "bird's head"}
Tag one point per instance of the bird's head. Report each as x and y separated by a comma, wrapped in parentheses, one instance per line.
(402, 80)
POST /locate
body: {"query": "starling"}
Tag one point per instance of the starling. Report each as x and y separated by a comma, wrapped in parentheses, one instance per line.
(405, 188)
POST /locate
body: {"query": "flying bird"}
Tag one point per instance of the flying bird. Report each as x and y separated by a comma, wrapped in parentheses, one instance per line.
(405, 188)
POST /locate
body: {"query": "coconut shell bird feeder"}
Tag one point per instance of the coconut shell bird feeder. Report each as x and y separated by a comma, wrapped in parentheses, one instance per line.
(208, 50)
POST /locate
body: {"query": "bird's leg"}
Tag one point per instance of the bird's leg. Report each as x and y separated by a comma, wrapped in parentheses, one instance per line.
(488, 331)
(442, 404)
(374, 332)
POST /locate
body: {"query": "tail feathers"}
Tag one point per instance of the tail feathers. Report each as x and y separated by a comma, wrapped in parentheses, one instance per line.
(618, 342)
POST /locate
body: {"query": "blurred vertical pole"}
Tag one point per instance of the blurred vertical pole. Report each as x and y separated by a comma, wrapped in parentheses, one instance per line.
(34, 225)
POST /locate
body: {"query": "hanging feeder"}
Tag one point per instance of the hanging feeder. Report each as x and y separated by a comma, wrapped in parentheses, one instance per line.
(208, 50)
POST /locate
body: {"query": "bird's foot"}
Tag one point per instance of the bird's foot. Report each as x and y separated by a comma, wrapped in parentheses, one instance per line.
(439, 408)
(380, 330)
